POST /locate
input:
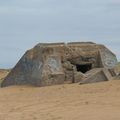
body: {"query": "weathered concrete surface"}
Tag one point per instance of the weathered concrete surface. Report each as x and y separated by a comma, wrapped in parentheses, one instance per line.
(58, 63)
(97, 75)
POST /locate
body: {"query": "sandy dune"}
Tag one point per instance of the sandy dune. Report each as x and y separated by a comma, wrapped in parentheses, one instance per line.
(3, 73)
(99, 101)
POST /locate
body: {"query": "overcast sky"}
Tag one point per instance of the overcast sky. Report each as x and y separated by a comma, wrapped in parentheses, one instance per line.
(24, 23)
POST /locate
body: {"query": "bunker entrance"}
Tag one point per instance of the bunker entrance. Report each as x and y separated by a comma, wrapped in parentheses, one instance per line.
(84, 67)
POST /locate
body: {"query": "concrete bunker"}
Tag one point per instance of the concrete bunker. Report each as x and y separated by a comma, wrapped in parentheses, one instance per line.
(59, 63)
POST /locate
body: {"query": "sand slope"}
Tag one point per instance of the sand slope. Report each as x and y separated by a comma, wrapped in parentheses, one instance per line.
(3, 73)
(99, 101)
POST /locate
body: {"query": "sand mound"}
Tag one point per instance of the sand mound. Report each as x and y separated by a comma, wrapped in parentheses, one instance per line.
(3, 73)
(63, 102)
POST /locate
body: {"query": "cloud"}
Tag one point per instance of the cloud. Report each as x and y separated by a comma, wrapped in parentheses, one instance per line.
(25, 23)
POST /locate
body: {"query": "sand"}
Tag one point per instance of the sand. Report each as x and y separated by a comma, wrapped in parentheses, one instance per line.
(3, 73)
(99, 101)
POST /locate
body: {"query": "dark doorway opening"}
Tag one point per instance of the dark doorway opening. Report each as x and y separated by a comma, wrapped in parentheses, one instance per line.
(84, 68)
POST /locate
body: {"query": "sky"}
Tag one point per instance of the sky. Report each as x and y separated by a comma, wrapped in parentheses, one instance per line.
(25, 23)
